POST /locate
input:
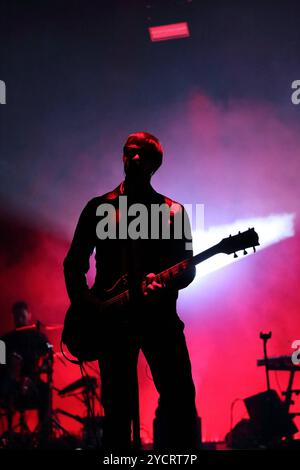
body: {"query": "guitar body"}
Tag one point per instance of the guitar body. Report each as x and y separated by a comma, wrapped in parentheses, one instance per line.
(86, 326)
(77, 334)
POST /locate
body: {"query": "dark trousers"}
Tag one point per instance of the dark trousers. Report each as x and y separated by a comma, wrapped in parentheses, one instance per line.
(165, 350)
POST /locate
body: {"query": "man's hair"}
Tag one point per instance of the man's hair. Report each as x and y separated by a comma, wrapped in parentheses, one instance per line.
(151, 145)
(20, 305)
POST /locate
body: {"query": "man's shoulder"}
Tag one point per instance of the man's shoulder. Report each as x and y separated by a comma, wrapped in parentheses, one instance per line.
(158, 198)
(107, 197)
(175, 206)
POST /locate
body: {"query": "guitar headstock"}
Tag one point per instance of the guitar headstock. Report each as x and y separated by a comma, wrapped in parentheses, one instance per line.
(241, 241)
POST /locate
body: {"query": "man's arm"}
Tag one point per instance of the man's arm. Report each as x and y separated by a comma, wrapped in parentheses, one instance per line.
(179, 249)
(76, 263)
(182, 248)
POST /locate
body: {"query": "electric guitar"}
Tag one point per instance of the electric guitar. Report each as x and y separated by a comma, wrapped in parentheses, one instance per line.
(84, 325)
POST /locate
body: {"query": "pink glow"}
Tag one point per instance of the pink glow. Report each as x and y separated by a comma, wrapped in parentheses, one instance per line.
(242, 161)
(169, 31)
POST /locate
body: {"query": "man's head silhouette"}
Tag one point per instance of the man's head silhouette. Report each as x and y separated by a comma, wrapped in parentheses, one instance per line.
(21, 314)
(142, 155)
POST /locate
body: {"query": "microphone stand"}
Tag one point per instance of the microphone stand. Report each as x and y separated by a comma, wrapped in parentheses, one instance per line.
(265, 337)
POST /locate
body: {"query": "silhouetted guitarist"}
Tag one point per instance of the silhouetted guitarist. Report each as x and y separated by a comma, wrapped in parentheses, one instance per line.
(152, 323)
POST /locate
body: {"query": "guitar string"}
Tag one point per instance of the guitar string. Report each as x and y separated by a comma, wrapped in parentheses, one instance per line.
(175, 270)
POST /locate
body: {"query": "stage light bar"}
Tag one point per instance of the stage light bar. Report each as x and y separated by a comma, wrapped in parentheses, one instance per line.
(169, 31)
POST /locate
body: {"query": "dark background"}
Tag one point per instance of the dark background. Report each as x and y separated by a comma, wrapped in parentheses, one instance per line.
(80, 76)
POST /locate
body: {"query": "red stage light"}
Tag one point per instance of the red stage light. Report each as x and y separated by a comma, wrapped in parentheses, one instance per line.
(169, 31)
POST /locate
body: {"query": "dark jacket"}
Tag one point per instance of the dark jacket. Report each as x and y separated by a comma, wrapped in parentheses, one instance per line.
(115, 257)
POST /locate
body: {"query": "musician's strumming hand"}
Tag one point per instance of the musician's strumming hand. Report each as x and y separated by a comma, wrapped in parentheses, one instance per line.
(152, 286)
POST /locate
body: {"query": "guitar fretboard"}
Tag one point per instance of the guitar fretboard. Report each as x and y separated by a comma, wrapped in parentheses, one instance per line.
(165, 277)
(178, 269)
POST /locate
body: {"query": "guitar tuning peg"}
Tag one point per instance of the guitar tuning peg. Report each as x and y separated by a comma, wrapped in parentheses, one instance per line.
(235, 255)
(254, 249)
(245, 252)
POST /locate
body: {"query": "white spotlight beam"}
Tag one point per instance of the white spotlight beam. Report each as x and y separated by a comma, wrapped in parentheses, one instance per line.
(271, 229)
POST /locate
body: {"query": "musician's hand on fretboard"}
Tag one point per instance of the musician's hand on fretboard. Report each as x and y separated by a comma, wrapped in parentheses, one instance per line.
(153, 286)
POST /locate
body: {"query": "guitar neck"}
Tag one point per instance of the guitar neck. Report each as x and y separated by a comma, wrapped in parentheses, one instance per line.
(228, 245)
(178, 269)
(168, 274)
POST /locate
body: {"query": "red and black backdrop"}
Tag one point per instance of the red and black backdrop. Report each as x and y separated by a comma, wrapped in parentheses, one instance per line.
(82, 75)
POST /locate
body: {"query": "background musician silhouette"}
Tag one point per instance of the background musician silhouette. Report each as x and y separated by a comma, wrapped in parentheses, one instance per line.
(21, 385)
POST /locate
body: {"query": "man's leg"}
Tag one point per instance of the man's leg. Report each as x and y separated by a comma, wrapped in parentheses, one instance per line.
(44, 403)
(165, 349)
(118, 362)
